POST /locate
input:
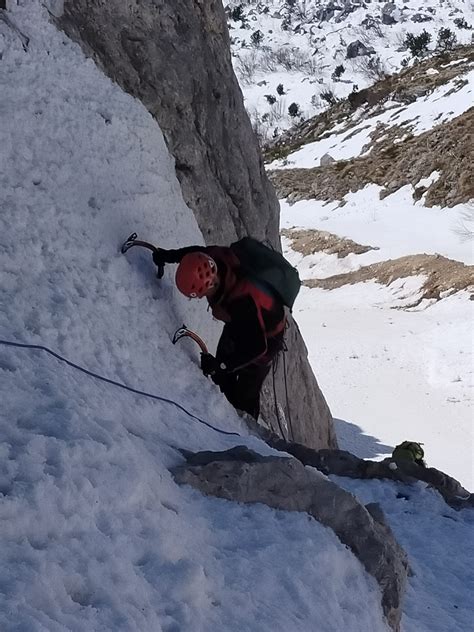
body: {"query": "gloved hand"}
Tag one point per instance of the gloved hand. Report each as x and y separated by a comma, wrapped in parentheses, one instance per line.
(159, 257)
(209, 364)
(159, 260)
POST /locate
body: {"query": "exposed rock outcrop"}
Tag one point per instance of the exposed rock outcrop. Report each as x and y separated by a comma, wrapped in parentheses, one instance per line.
(421, 17)
(357, 49)
(175, 58)
(447, 149)
(327, 159)
(310, 241)
(284, 483)
(388, 13)
(342, 463)
(425, 76)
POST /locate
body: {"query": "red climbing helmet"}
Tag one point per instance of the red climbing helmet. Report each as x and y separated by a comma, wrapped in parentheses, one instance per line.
(196, 274)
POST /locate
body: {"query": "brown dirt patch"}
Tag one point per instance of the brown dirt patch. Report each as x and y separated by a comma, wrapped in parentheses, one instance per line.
(447, 148)
(404, 87)
(397, 158)
(444, 276)
(307, 242)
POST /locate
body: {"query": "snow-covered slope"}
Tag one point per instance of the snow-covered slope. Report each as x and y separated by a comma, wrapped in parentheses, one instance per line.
(354, 136)
(95, 533)
(392, 361)
(388, 173)
(299, 44)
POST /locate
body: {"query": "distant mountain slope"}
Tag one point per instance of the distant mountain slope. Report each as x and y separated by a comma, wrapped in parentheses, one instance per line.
(319, 51)
(397, 132)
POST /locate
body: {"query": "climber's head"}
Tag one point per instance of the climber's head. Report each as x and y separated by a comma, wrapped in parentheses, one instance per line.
(196, 275)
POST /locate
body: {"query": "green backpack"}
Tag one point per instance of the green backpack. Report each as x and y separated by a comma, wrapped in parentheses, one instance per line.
(409, 451)
(269, 268)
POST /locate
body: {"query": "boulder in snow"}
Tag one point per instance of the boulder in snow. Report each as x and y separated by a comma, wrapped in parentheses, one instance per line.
(327, 13)
(244, 476)
(327, 159)
(389, 13)
(421, 17)
(357, 49)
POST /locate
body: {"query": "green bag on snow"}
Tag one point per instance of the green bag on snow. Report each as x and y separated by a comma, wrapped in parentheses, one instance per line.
(409, 451)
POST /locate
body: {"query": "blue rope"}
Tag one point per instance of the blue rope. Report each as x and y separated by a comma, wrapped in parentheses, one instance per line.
(109, 381)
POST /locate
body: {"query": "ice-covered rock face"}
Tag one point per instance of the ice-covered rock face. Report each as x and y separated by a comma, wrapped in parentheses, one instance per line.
(175, 58)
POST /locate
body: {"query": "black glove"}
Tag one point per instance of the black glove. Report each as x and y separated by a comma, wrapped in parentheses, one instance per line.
(209, 364)
(159, 256)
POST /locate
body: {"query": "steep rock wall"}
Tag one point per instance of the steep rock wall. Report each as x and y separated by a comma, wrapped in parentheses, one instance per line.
(174, 56)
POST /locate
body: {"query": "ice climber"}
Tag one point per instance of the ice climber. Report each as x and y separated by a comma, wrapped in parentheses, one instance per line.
(253, 313)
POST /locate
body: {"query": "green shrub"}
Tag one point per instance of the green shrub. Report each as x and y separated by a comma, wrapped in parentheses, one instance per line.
(237, 13)
(446, 39)
(418, 44)
(294, 110)
(256, 38)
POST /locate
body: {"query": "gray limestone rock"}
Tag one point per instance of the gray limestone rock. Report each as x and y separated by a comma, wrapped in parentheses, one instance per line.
(55, 7)
(388, 13)
(175, 57)
(326, 13)
(343, 463)
(421, 17)
(284, 483)
(346, 11)
(357, 49)
(327, 159)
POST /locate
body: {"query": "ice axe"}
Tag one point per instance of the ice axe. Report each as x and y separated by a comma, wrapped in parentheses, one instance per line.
(184, 332)
(133, 241)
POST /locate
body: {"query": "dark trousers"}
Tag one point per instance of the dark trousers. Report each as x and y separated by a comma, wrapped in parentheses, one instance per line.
(242, 387)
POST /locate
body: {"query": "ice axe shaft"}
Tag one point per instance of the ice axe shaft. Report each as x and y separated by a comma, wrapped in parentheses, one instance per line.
(133, 241)
(184, 332)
